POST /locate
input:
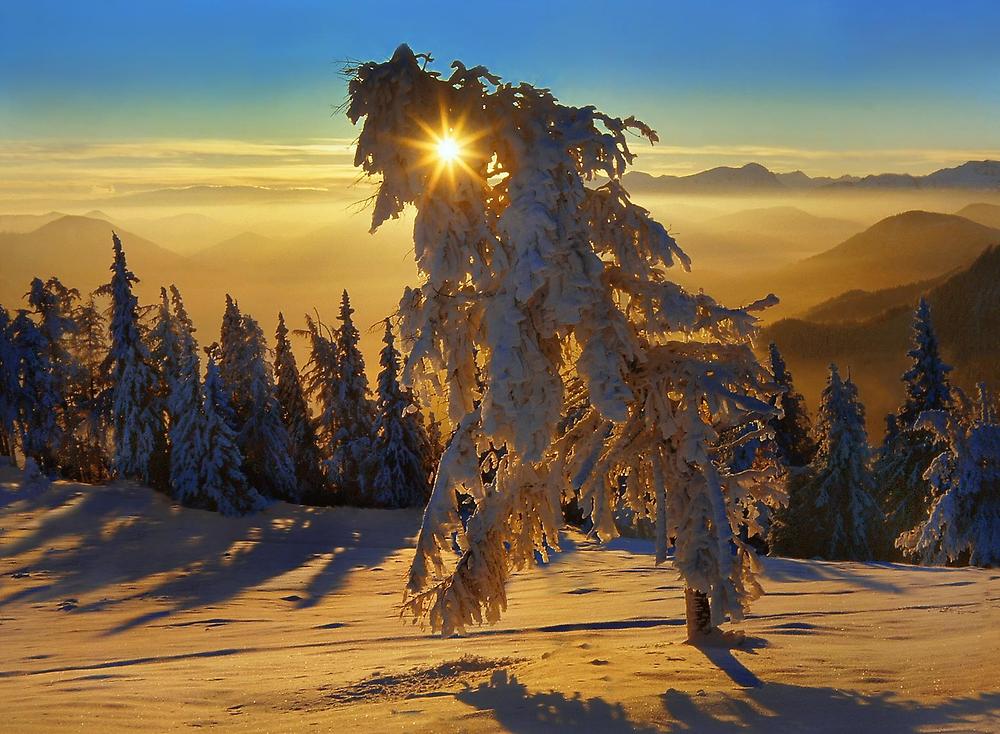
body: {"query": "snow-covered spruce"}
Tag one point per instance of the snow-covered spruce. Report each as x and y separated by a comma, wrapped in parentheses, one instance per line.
(400, 461)
(87, 449)
(297, 419)
(164, 348)
(47, 372)
(352, 413)
(137, 412)
(221, 484)
(555, 285)
(10, 387)
(907, 451)
(793, 429)
(184, 406)
(832, 513)
(963, 524)
(320, 384)
(245, 371)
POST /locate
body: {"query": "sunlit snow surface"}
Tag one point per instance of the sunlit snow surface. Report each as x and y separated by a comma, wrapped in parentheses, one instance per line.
(121, 612)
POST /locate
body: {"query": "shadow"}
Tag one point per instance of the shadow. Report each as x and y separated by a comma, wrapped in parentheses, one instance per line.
(850, 572)
(778, 708)
(721, 655)
(521, 712)
(124, 542)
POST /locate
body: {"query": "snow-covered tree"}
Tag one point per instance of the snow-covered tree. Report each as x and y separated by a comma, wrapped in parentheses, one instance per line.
(296, 417)
(792, 431)
(10, 387)
(558, 292)
(184, 405)
(907, 451)
(221, 484)
(245, 372)
(831, 512)
(321, 384)
(87, 450)
(137, 412)
(46, 381)
(400, 461)
(352, 413)
(963, 524)
(164, 347)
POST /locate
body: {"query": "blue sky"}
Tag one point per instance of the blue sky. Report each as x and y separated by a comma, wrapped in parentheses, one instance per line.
(830, 87)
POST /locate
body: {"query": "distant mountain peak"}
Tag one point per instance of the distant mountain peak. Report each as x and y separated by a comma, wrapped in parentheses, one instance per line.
(983, 174)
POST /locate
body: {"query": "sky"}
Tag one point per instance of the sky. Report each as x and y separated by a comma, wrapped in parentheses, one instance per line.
(114, 96)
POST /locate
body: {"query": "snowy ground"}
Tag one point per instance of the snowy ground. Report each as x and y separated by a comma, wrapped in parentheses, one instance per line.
(119, 611)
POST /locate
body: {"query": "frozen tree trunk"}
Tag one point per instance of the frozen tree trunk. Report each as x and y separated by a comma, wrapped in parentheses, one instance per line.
(699, 614)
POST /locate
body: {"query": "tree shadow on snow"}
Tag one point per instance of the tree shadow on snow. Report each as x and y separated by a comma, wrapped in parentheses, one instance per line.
(853, 573)
(781, 707)
(521, 711)
(109, 541)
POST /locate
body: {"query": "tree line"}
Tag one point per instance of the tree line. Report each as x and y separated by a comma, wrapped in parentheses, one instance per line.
(93, 394)
(929, 493)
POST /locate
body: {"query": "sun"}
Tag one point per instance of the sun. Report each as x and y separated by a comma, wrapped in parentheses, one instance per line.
(448, 149)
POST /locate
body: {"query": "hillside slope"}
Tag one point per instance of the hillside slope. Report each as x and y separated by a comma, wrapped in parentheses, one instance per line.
(966, 317)
(121, 612)
(899, 250)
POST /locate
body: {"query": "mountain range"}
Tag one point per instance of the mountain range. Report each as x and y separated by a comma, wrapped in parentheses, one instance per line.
(978, 175)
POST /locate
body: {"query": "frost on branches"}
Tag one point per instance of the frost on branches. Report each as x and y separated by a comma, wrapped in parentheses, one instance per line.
(832, 513)
(296, 417)
(245, 370)
(137, 413)
(908, 450)
(964, 520)
(401, 450)
(556, 293)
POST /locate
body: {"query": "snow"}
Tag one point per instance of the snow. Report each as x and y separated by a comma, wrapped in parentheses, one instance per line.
(121, 611)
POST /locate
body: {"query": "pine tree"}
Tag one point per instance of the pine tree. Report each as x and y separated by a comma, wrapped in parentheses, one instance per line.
(320, 382)
(400, 474)
(262, 437)
(295, 415)
(11, 395)
(561, 289)
(87, 454)
(792, 430)
(164, 348)
(352, 412)
(831, 512)
(53, 368)
(137, 413)
(907, 451)
(963, 523)
(184, 406)
(221, 484)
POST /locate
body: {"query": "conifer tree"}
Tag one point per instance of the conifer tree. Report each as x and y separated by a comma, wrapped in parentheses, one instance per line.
(352, 413)
(221, 484)
(400, 471)
(184, 406)
(907, 451)
(831, 512)
(792, 430)
(963, 523)
(53, 368)
(263, 440)
(10, 387)
(137, 413)
(87, 455)
(561, 290)
(295, 415)
(164, 347)
(320, 382)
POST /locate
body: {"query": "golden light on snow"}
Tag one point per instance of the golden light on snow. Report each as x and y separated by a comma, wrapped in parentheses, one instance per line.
(448, 149)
